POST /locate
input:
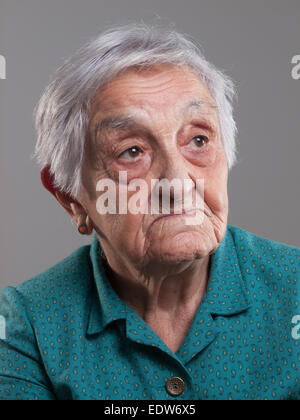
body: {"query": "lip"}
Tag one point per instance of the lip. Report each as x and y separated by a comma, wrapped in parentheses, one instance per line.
(191, 212)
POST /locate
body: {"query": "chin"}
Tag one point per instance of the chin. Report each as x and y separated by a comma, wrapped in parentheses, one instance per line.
(184, 246)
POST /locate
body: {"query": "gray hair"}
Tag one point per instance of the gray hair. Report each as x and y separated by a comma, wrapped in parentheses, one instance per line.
(62, 114)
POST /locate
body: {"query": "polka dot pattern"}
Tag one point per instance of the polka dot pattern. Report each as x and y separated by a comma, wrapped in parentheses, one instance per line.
(69, 336)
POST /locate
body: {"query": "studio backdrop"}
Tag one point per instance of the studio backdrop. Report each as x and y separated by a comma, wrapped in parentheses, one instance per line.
(255, 42)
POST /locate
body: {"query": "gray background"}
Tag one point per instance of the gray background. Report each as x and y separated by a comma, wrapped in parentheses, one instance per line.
(253, 41)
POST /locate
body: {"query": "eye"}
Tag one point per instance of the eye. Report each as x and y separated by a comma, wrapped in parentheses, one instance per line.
(130, 153)
(200, 141)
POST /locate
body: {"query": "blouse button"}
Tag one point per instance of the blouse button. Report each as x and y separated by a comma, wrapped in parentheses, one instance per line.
(175, 386)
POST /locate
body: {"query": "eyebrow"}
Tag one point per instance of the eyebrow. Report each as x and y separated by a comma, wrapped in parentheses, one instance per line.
(124, 122)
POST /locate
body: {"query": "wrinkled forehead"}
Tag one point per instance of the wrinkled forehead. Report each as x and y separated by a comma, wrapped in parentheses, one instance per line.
(160, 87)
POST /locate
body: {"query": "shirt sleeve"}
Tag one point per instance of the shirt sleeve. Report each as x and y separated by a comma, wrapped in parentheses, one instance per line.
(22, 374)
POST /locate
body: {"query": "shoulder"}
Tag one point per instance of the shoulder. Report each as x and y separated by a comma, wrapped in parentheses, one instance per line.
(37, 318)
(65, 284)
(268, 266)
(252, 241)
(73, 273)
(264, 251)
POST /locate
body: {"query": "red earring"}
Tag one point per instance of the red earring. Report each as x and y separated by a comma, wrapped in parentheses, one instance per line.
(83, 229)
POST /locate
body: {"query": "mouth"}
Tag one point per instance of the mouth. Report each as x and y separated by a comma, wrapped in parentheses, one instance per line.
(191, 212)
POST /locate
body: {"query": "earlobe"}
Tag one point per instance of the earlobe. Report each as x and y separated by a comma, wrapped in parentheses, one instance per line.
(83, 221)
(83, 229)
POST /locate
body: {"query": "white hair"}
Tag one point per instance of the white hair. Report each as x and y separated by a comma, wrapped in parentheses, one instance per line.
(62, 114)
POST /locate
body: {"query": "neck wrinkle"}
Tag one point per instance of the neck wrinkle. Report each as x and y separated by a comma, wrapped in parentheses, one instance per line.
(167, 297)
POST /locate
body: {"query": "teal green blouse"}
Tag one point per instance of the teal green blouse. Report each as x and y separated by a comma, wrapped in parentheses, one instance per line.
(65, 334)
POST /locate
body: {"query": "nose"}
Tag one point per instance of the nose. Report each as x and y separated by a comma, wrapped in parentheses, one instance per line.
(173, 192)
(175, 166)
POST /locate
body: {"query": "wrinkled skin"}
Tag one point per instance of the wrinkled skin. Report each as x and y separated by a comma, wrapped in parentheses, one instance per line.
(159, 266)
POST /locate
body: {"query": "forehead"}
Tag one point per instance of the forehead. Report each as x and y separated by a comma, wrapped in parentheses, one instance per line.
(162, 86)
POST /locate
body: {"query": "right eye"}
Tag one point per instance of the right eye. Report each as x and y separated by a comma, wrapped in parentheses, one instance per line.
(201, 141)
(131, 153)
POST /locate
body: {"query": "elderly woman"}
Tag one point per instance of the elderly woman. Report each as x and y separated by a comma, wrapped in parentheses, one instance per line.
(161, 305)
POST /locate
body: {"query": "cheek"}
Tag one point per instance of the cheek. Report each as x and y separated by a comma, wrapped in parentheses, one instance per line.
(216, 198)
(121, 231)
(215, 187)
(129, 202)
(199, 158)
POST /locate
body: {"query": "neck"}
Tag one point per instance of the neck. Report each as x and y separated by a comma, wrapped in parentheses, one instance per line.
(167, 295)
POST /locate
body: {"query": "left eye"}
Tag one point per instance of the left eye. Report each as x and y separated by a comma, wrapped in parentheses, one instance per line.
(132, 152)
(200, 141)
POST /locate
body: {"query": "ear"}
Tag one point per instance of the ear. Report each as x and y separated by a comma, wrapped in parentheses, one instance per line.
(71, 205)
(48, 182)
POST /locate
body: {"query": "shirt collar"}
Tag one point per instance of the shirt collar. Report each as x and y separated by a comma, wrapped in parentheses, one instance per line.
(226, 294)
(111, 307)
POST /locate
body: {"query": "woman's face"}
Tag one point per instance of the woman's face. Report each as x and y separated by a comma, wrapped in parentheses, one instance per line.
(169, 130)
